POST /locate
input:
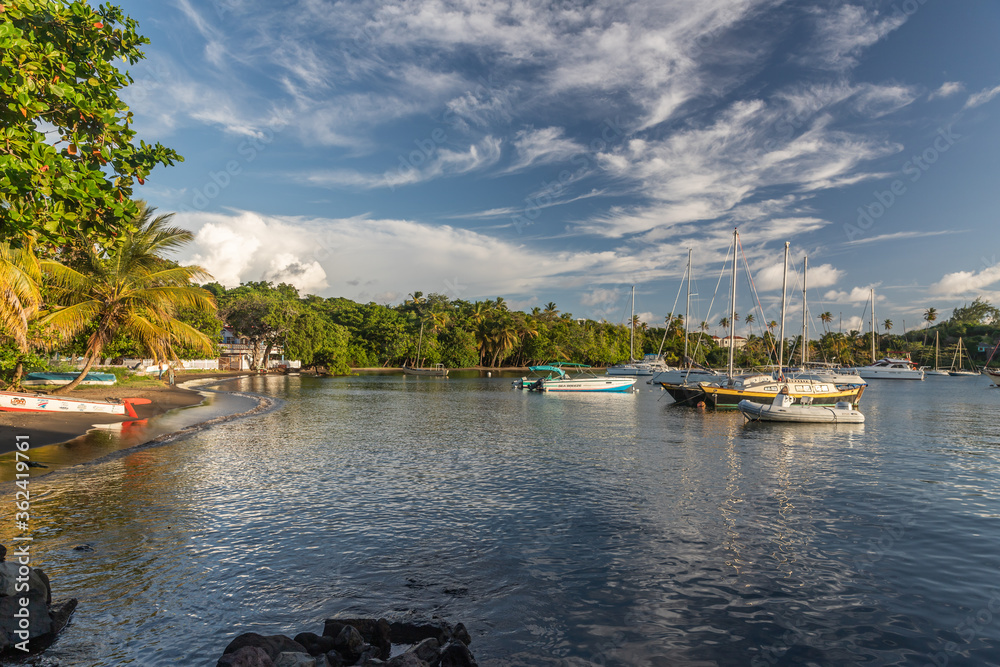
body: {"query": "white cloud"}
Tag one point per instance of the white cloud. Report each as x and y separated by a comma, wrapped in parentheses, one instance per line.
(770, 277)
(535, 147)
(963, 283)
(857, 295)
(947, 89)
(421, 166)
(600, 296)
(982, 97)
(326, 256)
(896, 236)
(842, 34)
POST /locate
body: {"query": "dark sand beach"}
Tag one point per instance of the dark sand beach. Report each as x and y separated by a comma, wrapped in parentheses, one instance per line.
(49, 429)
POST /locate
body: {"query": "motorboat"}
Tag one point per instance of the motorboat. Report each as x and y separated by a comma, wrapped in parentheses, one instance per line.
(784, 409)
(649, 365)
(19, 402)
(553, 378)
(890, 368)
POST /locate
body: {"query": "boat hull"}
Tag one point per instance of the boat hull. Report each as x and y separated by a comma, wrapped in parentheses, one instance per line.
(59, 379)
(17, 402)
(598, 384)
(800, 414)
(724, 398)
(430, 372)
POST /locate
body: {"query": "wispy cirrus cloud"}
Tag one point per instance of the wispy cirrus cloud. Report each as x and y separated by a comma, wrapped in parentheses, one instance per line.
(443, 162)
(982, 97)
(842, 34)
(947, 89)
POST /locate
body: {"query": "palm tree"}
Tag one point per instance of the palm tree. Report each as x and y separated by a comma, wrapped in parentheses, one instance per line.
(749, 321)
(551, 312)
(887, 325)
(20, 296)
(130, 289)
(930, 315)
(826, 318)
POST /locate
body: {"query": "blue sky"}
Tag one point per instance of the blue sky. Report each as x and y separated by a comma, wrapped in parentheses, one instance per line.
(565, 151)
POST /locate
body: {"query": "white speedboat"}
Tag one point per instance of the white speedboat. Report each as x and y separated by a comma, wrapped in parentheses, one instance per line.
(784, 409)
(554, 378)
(889, 368)
(650, 365)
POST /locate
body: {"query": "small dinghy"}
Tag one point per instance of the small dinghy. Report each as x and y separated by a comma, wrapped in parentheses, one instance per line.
(35, 379)
(784, 409)
(16, 402)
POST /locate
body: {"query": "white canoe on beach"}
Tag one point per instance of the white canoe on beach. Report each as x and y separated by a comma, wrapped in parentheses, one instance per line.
(784, 409)
(16, 402)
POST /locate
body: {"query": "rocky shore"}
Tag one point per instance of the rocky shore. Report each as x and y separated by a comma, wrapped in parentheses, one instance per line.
(367, 642)
(29, 620)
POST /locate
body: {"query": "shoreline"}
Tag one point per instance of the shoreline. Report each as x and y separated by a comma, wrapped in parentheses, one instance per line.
(45, 429)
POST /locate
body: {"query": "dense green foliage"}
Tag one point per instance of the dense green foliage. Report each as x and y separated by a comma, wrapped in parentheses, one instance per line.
(67, 159)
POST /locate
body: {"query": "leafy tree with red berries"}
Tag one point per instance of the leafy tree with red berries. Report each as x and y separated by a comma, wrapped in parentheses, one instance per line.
(68, 161)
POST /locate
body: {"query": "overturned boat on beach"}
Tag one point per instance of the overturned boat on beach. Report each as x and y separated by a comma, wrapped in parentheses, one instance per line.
(11, 401)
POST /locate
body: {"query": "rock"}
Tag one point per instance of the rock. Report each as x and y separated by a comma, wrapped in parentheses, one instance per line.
(83, 547)
(248, 656)
(427, 650)
(289, 659)
(413, 633)
(334, 659)
(38, 596)
(375, 632)
(462, 634)
(273, 645)
(457, 654)
(315, 644)
(350, 644)
(408, 660)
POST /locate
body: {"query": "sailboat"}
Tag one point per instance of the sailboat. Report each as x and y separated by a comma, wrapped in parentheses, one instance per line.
(937, 347)
(759, 387)
(437, 370)
(959, 356)
(648, 365)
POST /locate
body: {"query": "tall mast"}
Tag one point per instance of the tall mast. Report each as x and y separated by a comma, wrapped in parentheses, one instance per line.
(732, 308)
(420, 343)
(873, 327)
(687, 309)
(936, 350)
(781, 344)
(631, 327)
(805, 320)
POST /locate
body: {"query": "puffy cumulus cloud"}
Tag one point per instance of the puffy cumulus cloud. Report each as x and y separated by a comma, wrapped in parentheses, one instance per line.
(966, 282)
(248, 247)
(855, 296)
(823, 275)
(366, 259)
(600, 296)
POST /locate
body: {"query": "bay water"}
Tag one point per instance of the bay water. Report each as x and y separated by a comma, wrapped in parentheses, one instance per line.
(561, 530)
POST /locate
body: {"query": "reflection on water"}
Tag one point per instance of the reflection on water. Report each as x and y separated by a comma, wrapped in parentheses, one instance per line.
(611, 530)
(106, 439)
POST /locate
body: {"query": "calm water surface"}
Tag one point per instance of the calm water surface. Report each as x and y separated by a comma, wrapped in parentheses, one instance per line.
(589, 529)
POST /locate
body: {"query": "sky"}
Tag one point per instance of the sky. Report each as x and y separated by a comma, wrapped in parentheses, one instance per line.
(567, 151)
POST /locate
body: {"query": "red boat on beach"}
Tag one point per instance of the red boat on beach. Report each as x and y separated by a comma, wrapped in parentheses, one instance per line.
(16, 402)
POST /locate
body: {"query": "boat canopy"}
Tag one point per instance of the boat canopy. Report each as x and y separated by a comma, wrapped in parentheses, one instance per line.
(553, 369)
